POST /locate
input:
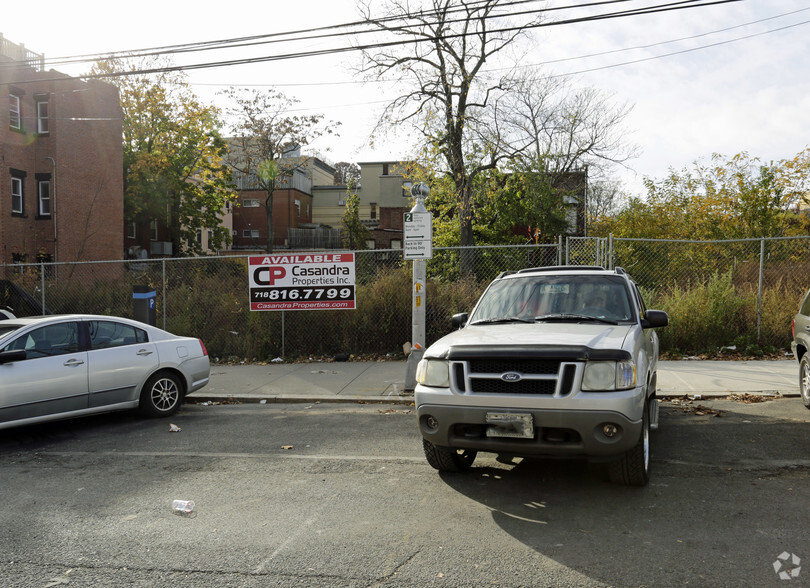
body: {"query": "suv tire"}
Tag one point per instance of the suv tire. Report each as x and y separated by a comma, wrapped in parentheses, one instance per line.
(633, 468)
(804, 379)
(447, 459)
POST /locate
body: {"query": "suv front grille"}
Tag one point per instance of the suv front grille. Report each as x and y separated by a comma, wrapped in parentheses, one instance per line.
(523, 377)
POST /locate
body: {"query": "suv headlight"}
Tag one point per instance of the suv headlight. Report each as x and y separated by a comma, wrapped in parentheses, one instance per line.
(609, 375)
(434, 373)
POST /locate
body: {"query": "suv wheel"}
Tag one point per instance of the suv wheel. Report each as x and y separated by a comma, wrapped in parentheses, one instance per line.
(447, 459)
(804, 379)
(633, 469)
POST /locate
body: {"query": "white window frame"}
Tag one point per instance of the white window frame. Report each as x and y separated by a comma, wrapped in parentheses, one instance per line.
(17, 202)
(297, 208)
(153, 230)
(43, 125)
(251, 203)
(44, 199)
(250, 233)
(14, 112)
(132, 230)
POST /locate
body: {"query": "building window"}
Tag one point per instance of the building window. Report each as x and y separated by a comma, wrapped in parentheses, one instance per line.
(14, 112)
(371, 244)
(373, 211)
(298, 208)
(44, 191)
(132, 230)
(406, 189)
(42, 117)
(153, 230)
(250, 203)
(16, 196)
(385, 169)
(198, 237)
(396, 243)
(253, 233)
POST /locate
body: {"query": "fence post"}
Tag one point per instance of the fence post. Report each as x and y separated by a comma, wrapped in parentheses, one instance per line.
(165, 292)
(559, 250)
(42, 284)
(610, 251)
(759, 293)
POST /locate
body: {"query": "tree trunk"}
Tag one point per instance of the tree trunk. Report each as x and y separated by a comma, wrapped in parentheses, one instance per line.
(465, 219)
(268, 203)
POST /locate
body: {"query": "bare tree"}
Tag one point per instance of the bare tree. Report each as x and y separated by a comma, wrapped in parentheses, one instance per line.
(347, 174)
(264, 131)
(441, 58)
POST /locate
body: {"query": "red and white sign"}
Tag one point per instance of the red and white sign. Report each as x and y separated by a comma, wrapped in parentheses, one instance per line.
(313, 281)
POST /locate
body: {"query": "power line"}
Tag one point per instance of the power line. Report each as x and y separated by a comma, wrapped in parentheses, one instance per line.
(577, 57)
(678, 5)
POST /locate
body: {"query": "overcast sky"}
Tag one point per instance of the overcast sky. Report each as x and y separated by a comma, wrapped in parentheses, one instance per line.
(727, 78)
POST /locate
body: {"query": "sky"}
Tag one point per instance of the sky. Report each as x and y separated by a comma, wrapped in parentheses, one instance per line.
(719, 79)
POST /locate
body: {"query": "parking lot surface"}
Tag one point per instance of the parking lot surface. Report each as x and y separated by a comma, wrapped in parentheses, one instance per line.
(320, 494)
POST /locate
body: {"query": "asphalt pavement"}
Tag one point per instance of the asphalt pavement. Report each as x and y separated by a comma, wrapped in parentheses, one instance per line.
(384, 381)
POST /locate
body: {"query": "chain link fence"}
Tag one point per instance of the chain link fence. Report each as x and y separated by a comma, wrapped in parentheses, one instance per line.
(739, 294)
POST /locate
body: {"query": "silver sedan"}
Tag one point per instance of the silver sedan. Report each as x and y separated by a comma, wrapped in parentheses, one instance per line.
(58, 367)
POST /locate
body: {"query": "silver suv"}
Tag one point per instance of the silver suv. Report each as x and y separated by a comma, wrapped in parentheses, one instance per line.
(553, 361)
(800, 345)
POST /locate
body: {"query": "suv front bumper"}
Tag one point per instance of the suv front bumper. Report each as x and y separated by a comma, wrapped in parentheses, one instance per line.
(557, 432)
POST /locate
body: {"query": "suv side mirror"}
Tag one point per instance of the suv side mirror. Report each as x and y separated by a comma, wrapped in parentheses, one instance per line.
(654, 318)
(459, 320)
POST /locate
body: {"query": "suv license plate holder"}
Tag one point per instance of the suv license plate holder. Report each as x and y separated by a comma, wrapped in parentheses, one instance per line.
(510, 424)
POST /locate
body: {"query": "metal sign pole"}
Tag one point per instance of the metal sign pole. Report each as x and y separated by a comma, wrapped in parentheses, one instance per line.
(419, 290)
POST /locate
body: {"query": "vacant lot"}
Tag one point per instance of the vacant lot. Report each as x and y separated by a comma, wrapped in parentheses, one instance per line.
(340, 495)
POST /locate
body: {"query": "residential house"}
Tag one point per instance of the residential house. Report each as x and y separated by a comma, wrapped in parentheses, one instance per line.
(384, 196)
(61, 196)
(292, 202)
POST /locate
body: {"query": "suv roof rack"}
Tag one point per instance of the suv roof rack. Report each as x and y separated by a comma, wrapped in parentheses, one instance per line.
(561, 268)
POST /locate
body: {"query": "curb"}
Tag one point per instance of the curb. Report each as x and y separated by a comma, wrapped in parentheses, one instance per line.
(298, 399)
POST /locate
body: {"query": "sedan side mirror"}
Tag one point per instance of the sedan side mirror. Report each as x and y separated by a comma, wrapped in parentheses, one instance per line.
(654, 318)
(10, 356)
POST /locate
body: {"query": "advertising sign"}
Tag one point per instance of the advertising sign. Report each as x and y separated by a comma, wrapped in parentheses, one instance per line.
(314, 281)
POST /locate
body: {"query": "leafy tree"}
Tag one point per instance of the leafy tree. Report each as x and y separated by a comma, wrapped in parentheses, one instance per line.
(264, 130)
(725, 199)
(355, 233)
(173, 154)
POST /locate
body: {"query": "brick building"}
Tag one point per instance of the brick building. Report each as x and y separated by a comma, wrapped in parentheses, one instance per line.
(61, 193)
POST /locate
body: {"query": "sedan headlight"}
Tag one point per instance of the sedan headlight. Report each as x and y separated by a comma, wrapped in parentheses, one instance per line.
(609, 375)
(434, 373)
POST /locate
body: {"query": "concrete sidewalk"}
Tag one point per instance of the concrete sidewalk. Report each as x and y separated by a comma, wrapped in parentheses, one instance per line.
(384, 381)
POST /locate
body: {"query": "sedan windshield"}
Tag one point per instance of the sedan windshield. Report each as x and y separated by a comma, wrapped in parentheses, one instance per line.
(572, 298)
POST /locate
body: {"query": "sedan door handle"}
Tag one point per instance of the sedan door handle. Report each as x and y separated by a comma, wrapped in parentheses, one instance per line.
(143, 352)
(73, 363)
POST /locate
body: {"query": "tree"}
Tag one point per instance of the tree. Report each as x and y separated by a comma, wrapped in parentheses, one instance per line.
(173, 154)
(567, 136)
(263, 130)
(441, 58)
(355, 233)
(347, 174)
(731, 198)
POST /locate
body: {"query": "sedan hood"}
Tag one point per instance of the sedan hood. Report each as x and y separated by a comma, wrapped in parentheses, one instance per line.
(537, 335)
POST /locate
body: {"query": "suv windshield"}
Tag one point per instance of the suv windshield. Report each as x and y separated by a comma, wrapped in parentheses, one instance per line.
(555, 297)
